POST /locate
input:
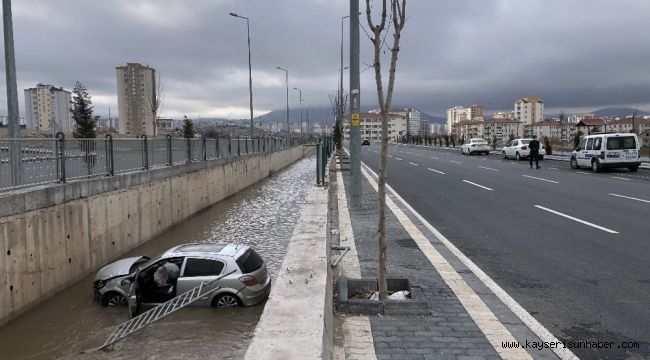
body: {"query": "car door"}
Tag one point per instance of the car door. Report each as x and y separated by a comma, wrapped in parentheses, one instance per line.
(197, 270)
(513, 148)
(581, 153)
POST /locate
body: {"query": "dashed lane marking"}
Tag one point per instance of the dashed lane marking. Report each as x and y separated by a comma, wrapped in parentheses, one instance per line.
(455, 162)
(437, 171)
(540, 179)
(630, 197)
(577, 220)
(398, 159)
(475, 184)
(487, 168)
(414, 164)
(620, 178)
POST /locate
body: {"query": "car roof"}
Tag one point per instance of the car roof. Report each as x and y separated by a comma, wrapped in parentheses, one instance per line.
(478, 139)
(205, 248)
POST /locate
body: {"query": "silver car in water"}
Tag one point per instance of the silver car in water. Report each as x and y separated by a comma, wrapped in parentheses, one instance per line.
(111, 285)
(249, 284)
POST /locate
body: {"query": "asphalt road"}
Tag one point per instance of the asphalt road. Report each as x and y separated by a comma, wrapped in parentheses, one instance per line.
(572, 247)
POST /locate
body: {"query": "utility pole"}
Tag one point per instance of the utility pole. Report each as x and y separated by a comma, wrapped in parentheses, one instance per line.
(250, 76)
(287, 83)
(355, 98)
(301, 100)
(12, 96)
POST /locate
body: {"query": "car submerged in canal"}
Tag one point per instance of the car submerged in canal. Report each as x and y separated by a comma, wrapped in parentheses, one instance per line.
(144, 282)
(184, 267)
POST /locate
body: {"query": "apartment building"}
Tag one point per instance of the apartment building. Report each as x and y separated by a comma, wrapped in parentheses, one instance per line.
(456, 115)
(47, 109)
(370, 126)
(136, 92)
(529, 110)
(476, 112)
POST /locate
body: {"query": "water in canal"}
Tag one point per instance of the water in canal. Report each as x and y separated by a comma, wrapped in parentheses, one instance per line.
(262, 216)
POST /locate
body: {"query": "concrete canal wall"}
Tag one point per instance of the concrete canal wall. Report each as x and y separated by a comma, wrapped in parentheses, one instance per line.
(52, 236)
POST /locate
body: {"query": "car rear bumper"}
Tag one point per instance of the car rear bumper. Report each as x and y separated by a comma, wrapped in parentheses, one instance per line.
(252, 295)
(620, 164)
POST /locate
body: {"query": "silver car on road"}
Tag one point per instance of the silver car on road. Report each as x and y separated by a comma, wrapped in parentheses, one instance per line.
(111, 285)
(250, 283)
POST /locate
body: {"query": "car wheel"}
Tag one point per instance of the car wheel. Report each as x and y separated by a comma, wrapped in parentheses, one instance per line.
(633, 168)
(226, 300)
(503, 154)
(517, 157)
(595, 166)
(574, 163)
(113, 299)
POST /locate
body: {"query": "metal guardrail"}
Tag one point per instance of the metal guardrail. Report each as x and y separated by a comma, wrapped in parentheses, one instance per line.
(61, 159)
(324, 148)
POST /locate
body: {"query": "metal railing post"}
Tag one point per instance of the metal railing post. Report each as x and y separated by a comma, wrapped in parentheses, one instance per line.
(238, 147)
(188, 146)
(246, 145)
(318, 161)
(216, 149)
(229, 147)
(145, 152)
(170, 158)
(110, 170)
(204, 149)
(60, 155)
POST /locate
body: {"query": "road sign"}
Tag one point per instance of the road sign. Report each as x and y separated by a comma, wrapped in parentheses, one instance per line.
(355, 120)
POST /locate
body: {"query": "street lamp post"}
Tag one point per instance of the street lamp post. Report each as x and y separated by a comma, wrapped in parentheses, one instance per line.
(339, 115)
(250, 76)
(287, 83)
(301, 100)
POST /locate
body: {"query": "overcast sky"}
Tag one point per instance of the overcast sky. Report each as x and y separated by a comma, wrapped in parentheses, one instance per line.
(574, 54)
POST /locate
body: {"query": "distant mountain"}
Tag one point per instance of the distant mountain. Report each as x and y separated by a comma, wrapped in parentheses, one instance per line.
(432, 119)
(323, 115)
(619, 112)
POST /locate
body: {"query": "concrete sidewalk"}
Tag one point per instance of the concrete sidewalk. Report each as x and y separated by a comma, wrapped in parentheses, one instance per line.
(466, 321)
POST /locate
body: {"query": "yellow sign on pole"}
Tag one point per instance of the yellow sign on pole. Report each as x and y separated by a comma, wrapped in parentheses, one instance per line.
(355, 120)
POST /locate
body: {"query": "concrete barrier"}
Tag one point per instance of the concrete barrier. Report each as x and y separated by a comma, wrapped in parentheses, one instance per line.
(297, 320)
(51, 236)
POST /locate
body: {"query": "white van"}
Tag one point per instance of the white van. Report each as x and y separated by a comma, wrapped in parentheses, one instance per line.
(607, 150)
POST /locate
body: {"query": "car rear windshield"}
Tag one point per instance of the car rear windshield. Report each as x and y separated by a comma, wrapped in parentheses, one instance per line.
(249, 261)
(621, 142)
(525, 142)
(480, 142)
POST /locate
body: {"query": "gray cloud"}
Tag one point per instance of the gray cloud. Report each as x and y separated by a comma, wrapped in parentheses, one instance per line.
(571, 54)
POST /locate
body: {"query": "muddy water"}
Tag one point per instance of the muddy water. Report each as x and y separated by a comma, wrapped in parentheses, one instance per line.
(262, 216)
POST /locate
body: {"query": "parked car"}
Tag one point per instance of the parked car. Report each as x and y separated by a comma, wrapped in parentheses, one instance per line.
(110, 287)
(198, 262)
(519, 149)
(475, 146)
(365, 142)
(607, 150)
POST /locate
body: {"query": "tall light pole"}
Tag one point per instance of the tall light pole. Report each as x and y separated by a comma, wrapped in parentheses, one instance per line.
(300, 97)
(339, 113)
(355, 104)
(250, 76)
(287, 82)
(12, 95)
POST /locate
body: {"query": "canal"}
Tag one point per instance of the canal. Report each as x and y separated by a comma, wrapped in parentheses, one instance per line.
(262, 216)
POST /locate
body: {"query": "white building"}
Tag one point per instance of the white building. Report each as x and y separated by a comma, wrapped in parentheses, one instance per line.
(529, 110)
(370, 126)
(47, 109)
(456, 115)
(413, 122)
(136, 92)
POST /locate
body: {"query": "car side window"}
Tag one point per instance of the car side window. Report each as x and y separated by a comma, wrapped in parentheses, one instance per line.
(597, 142)
(202, 267)
(582, 144)
(590, 143)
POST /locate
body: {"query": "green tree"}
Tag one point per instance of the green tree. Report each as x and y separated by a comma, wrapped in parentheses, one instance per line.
(188, 127)
(82, 113)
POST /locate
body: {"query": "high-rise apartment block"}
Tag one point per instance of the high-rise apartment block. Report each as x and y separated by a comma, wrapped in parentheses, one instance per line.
(47, 109)
(529, 110)
(136, 93)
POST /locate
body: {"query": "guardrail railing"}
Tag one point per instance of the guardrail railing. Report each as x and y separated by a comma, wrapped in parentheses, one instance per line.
(60, 159)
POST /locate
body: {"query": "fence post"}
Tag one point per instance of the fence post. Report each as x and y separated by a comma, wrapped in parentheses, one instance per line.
(204, 149)
(318, 161)
(170, 159)
(229, 147)
(145, 152)
(246, 145)
(188, 148)
(110, 170)
(238, 147)
(60, 156)
(216, 149)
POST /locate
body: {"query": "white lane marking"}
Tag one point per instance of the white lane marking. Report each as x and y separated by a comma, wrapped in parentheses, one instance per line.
(541, 179)
(523, 315)
(553, 168)
(433, 157)
(439, 172)
(577, 220)
(631, 198)
(475, 184)
(487, 168)
(455, 162)
(414, 164)
(493, 329)
(398, 159)
(620, 178)
(390, 156)
(582, 172)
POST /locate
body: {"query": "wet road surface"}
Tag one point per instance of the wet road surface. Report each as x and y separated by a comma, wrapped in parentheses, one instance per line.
(262, 216)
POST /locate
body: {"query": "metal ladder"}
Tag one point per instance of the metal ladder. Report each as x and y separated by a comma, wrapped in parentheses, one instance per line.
(165, 309)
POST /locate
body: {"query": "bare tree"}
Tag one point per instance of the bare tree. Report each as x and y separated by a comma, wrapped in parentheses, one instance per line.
(338, 104)
(156, 100)
(398, 19)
